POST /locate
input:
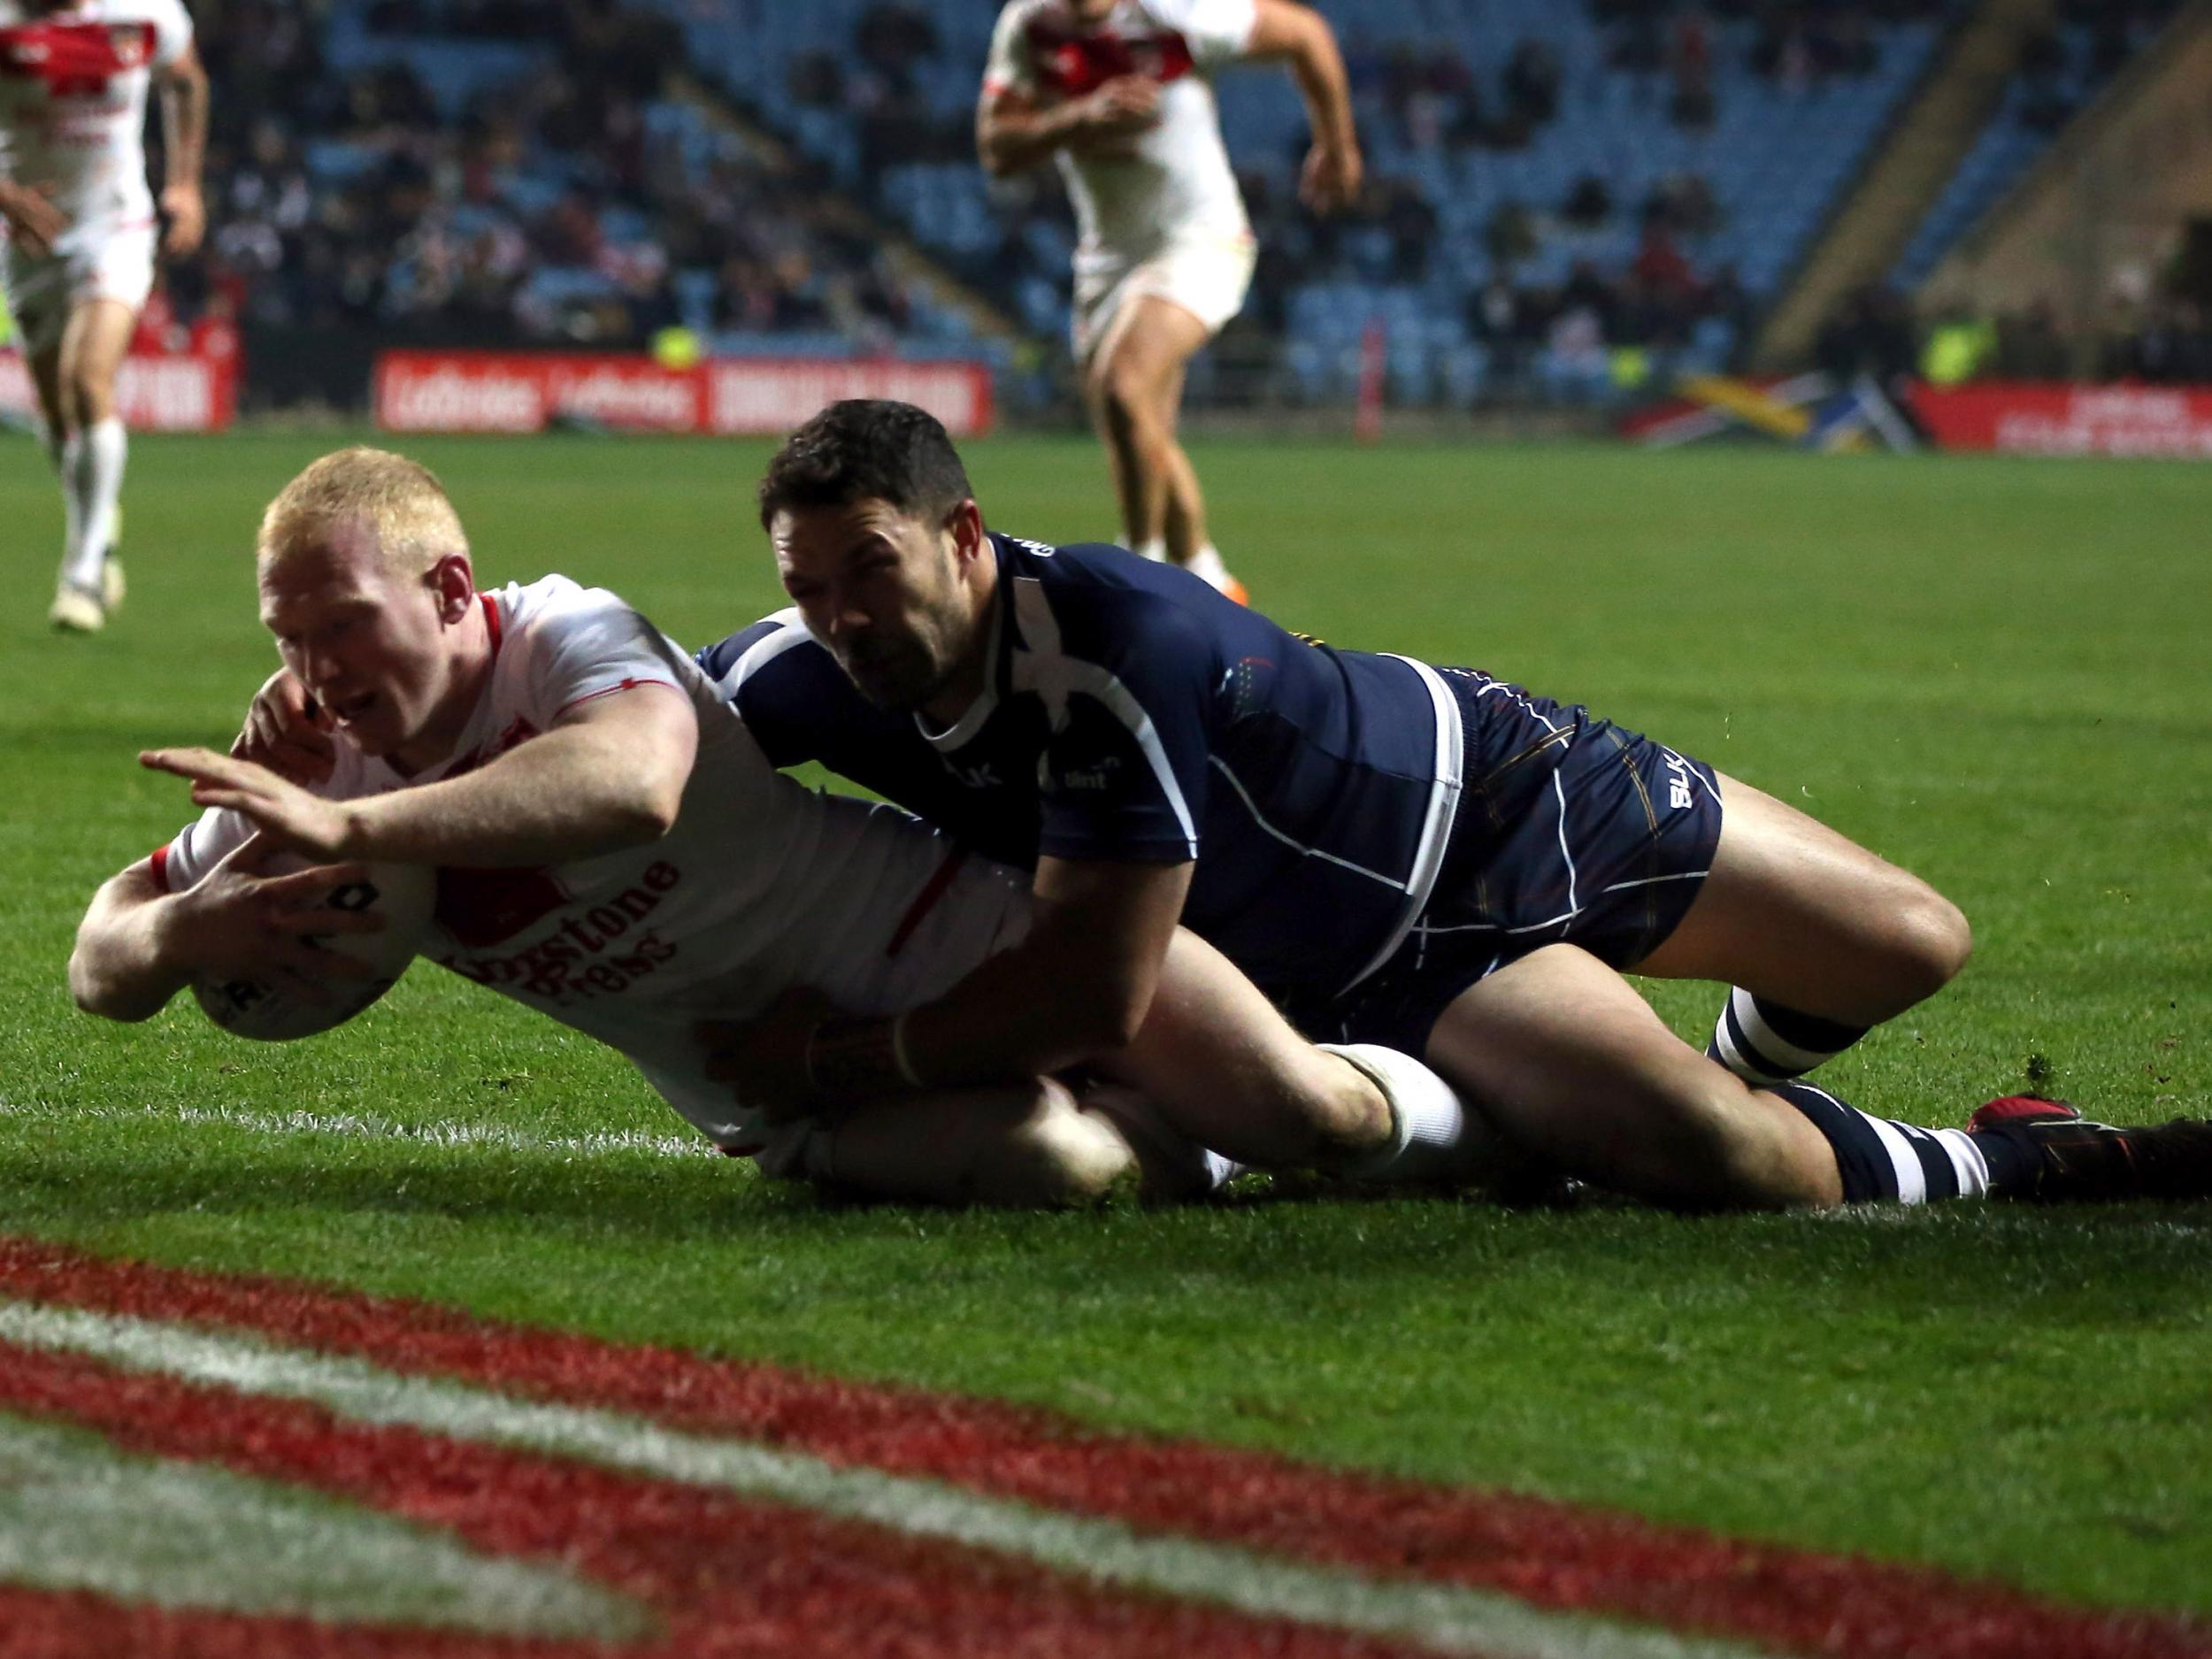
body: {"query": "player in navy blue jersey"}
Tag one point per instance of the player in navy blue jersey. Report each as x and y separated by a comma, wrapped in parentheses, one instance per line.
(1426, 858)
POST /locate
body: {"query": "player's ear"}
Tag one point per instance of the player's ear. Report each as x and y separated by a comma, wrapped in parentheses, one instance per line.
(966, 522)
(454, 583)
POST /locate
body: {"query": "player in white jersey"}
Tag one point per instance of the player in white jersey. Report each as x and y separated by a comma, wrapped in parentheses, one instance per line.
(78, 258)
(615, 851)
(1118, 93)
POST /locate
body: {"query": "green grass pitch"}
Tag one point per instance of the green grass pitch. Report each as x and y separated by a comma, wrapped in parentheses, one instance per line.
(1992, 671)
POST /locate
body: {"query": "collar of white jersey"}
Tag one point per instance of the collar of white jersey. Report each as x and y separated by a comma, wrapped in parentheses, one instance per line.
(962, 731)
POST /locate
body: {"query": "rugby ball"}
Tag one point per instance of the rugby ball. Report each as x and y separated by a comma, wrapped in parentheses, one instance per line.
(284, 1005)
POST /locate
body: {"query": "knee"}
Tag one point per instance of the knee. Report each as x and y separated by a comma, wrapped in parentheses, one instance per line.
(1931, 943)
(85, 401)
(1124, 395)
(1050, 1156)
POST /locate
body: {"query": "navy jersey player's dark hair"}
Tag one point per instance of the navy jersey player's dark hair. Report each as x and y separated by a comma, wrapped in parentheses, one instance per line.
(866, 449)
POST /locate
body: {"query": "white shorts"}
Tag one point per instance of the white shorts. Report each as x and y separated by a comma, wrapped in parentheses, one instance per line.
(1208, 276)
(102, 260)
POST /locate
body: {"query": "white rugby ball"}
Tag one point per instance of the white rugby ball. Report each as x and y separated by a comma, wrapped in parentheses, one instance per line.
(285, 1005)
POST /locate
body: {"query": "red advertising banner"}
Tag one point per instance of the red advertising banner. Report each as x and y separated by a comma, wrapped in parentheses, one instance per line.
(2020, 419)
(493, 391)
(194, 391)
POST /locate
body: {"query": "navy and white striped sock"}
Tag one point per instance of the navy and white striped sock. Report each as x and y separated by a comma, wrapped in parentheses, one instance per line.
(1884, 1162)
(1763, 1042)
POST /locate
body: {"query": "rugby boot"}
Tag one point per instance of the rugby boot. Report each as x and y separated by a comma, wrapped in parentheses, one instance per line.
(80, 609)
(2079, 1160)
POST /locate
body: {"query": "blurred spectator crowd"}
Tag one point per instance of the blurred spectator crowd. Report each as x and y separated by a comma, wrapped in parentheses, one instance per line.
(1563, 207)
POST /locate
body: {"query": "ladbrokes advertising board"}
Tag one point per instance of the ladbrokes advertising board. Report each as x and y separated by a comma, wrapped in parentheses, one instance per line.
(487, 391)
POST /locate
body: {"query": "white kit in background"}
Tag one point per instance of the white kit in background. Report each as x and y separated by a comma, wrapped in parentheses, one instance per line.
(72, 122)
(1163, 217)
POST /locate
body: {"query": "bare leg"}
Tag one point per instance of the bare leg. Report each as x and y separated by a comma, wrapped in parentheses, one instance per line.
(1014, 1148)
(1183, 523)
(1795, 912)
(1560, 1053)
(1134, 385)
(91, 454)
(46, 379)
(92, 350)
(1224, 1068)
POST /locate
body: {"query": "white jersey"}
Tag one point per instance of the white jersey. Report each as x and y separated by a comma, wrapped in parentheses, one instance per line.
(762, 885)
(1174, 182)
(73, 101)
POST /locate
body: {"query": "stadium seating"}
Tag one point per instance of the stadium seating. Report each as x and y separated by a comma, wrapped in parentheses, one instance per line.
(449, 174)
(1774, 156)
(2074, 64)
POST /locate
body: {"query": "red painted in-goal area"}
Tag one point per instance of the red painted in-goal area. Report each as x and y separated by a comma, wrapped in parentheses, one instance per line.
(724, 1575)
(1550, 1554)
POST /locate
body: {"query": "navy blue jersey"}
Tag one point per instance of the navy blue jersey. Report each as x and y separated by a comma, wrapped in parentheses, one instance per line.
(1132, 714)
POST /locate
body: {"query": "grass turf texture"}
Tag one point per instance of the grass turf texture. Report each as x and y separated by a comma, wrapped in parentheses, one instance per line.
(1991, 671)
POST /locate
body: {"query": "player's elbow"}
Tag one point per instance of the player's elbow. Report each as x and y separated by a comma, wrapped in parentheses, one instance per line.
(102, 994)
(648, 813)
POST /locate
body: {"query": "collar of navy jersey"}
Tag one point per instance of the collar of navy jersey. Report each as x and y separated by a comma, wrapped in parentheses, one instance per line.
(962, 731)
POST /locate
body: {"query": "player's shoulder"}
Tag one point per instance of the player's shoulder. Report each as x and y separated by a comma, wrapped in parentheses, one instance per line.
(550, 602)
(1021, 14)
(775, 648)
(170, 15)
(1092, 601)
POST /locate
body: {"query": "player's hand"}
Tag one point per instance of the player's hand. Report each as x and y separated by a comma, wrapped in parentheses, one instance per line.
(286, 732)
(764, 1059)
(187, 212)
(1119, 110)
(1329, 181)
(240, 924)
(34, 220)
(285, 812)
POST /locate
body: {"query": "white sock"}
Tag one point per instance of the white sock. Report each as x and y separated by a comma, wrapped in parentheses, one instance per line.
(1433, 1136)
(1207, 563)
(1155, 549)
(92, 484)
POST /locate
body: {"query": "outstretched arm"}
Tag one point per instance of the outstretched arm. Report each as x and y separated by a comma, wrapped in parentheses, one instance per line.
(1290, 33)
(610, 774)
(184, 141)
(139, 944)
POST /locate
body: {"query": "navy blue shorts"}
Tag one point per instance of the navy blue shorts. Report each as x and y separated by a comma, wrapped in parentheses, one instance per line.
(1568, 828)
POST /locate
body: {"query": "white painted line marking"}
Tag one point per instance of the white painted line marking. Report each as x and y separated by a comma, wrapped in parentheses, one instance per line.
(1449, 1619)
(77, 1514)
(368, 1126)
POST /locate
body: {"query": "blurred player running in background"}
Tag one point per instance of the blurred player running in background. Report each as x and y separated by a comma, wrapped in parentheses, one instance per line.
(78, 261)
(1118, 93)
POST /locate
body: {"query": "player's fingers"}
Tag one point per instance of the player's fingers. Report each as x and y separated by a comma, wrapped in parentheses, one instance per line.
(251, 854)
(308, 762)
(192, 763)
(207, 795)
(311, 887)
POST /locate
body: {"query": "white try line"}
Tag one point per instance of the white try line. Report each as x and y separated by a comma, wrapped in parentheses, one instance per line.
(368, 1126)
(1450, 1620)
